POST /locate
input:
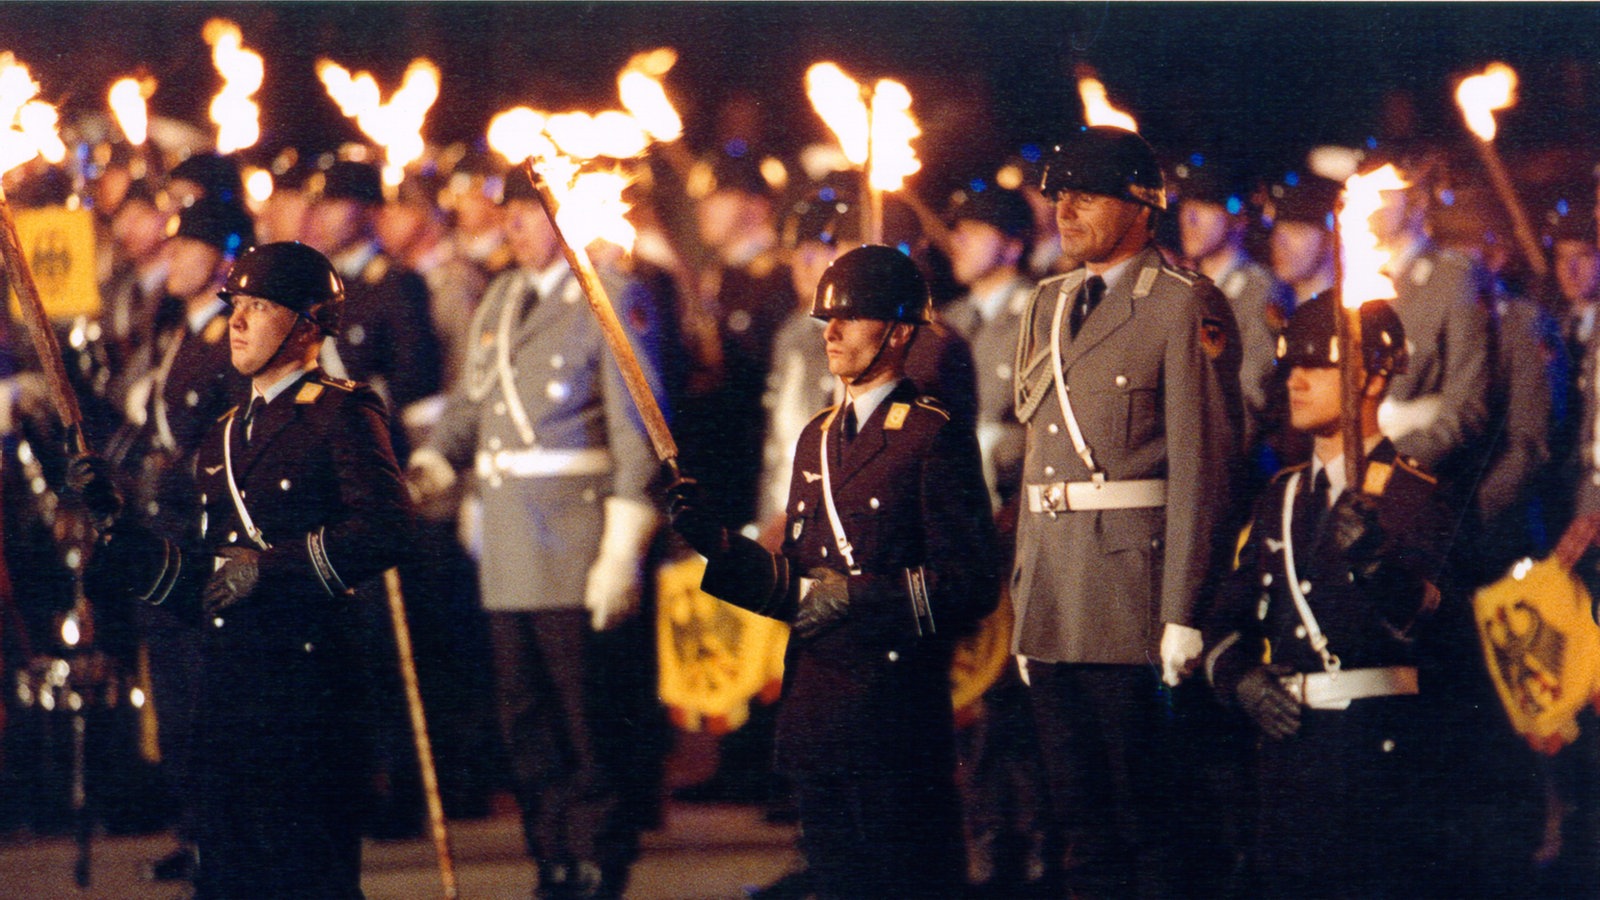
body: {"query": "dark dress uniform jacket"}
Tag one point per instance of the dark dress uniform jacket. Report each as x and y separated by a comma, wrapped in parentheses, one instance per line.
(388, 337)
(1344, 801)
(867, 695)
(277, 752)
(1154, 381)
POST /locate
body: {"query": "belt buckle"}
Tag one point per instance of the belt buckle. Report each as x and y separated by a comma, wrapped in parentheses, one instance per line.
(1296, 686)
(1053, 498)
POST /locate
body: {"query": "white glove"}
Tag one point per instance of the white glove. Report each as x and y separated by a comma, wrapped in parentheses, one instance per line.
(1180, 652)
(429, 475)
(1022, 670)
(612, 595)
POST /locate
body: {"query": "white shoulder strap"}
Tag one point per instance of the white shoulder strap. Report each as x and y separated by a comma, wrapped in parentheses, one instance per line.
(1319, 641)
(233, 488)
(502, 365)
(843, 543)
(1078, 443)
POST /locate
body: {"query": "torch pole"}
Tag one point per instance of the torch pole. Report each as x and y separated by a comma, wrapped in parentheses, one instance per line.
(1513, 205)
(45, 345)
(616, 337)
(419, 732)
(1352, 384)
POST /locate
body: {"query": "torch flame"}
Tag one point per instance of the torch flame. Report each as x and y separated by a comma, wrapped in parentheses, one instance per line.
(236, 115)
(837, 99)
(879, 135)
(396, 126)
(1480, 95)
(127, 100)
(1362, 258)
(1097, 109)
(639, 86)
(27, 125)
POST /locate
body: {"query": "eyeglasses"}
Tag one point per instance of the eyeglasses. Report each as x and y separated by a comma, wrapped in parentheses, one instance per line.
(1080, 201)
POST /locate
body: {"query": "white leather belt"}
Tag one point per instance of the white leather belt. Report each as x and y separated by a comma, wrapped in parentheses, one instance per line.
(1071, 496)
(1335, 690)
(540, 462)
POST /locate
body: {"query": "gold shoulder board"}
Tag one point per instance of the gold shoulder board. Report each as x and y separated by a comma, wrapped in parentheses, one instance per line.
(308, 393)
(897, 416)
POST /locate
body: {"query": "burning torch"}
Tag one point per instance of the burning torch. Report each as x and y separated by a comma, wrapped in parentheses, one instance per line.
(236, 115)
(1097, 108)
(395, 124)
(1360, 259)
(874, 126)
(1479, 96)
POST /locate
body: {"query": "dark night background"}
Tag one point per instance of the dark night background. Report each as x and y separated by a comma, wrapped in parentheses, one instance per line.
(1258, 82)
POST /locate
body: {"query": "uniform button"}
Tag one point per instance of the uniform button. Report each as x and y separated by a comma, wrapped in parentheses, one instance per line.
(1305, 587)
(284, 484)
(557, 361)
(1049, 470)
(309, 647)
(557, 390)
(1351, 577)
(499, 408)
(589, 495)
(1266, 579)
(217, 622)
(824, 552)
(233, 536)
(1300, 631)
(494, 443)
(202, 499)
(153, 507)
(1122, 381)
(894, 656)
(1261, 608)
(1004, 371)
(191, 399)
(1054, 428)
(356, 335)
(800, 507)
(243, 494)
(873, 503)
(739, 321)
(1388, 745)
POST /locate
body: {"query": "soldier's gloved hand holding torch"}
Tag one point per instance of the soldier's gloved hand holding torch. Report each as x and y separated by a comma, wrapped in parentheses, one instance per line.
(1267, 702)
(686, 506)
(236, 580)
(1353, 527)
(89, 479)
(824, 602)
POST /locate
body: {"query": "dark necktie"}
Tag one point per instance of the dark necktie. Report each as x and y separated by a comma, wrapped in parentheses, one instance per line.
(249, 419)
(1319, 498)
(850, 426)
(1088, 298)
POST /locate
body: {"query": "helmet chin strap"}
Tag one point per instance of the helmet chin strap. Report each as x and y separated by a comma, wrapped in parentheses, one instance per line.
(273, 359)
(882, 345)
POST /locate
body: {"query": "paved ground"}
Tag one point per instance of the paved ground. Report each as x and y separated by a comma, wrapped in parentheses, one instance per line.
(703, 853)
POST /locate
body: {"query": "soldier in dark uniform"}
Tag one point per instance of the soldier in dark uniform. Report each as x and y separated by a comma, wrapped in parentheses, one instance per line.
(1127, 382)
(388, 337)
(1317, 637)
(889, 554)
(189, 383)
(301, 500)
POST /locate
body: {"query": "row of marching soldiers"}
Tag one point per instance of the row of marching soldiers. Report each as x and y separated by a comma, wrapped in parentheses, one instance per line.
(1100, 776)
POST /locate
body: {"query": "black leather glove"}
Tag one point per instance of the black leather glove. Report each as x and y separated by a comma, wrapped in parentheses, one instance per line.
(686, 506)
(89, 479)
(1265, 700)
(823, 605)
(1353, 527)
(235, 581)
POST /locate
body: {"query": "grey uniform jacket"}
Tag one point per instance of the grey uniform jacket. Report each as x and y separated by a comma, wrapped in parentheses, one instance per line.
(1153, 379)
(1261, 306)
(994, 350)
(1439, 406)
(542, 416)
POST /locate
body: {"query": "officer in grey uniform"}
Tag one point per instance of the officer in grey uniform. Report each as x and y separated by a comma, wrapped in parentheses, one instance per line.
(1127, 383)
(542, 417)
(1214, 221)
(1436, 411)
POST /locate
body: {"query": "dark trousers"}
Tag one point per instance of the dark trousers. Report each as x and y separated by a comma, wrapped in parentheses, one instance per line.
(1103, 734)
(881, 835)
(566, 731)
(174, 649)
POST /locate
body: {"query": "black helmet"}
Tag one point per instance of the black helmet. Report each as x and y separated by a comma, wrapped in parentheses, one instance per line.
(1100, 159)
(215, 174)
(1311, 339)
(873, 282)
(827, 213)
(348, 179)
(1006, 211)
(293, 276)
(1303, 198)
(217, 223)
